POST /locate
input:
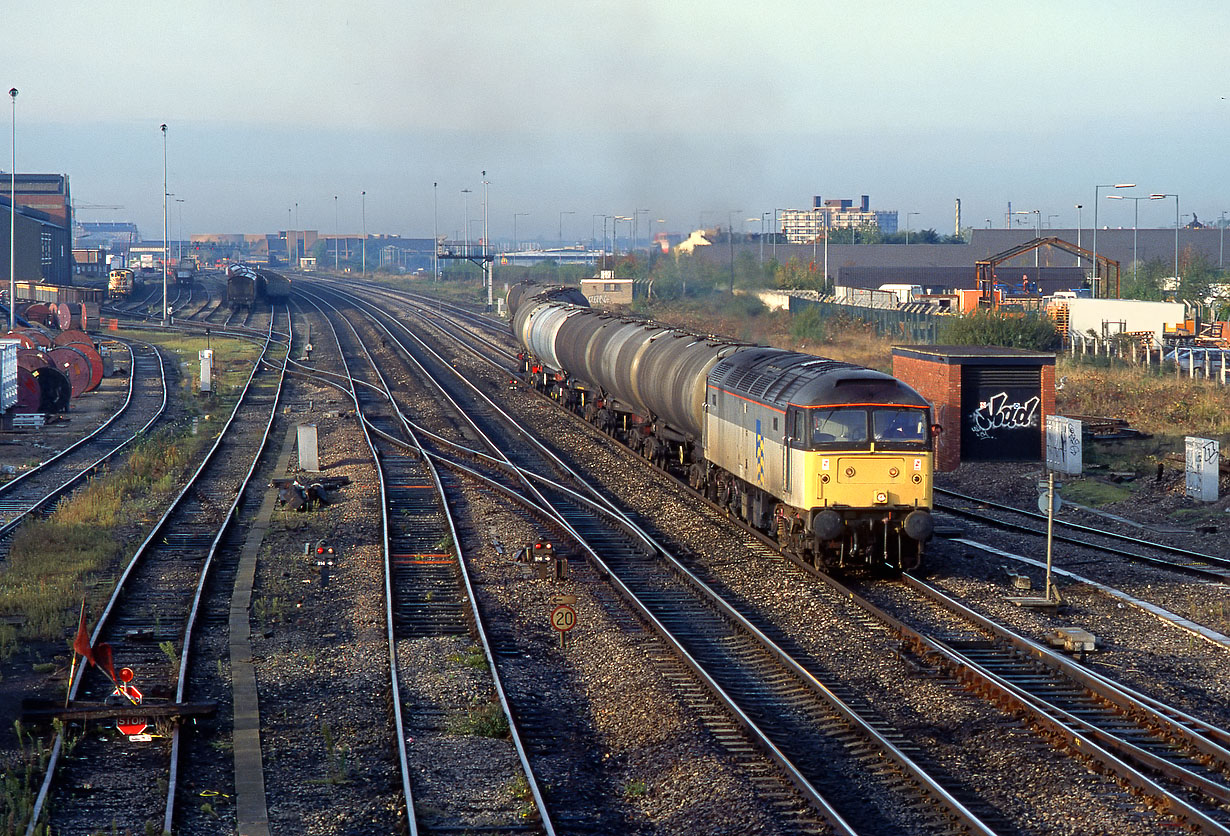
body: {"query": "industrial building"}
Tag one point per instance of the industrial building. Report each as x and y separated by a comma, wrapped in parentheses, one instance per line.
(42, 228)
(802, 226)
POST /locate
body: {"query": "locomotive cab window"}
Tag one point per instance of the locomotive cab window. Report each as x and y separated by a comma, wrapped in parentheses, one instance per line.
(838, 426)
(907, 426)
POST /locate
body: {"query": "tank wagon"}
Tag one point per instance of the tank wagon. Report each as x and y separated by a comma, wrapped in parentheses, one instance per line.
(271, 286)
(833, 459)
(245, 285)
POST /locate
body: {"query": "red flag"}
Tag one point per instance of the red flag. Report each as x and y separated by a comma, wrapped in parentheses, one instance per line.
(81, 643)
(102, 658)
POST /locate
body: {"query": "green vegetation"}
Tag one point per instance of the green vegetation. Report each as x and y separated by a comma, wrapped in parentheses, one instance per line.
(482, 720)
(1014, 330)
(471, 657)
(55, 562)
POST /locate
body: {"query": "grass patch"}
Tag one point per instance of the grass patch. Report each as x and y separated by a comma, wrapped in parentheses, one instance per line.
(486, 720)
(1150, 402)
(1094, 492)
(472, 657)
(55, 562)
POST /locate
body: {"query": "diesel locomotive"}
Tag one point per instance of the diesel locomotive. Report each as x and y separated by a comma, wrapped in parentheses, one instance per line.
(833, 459)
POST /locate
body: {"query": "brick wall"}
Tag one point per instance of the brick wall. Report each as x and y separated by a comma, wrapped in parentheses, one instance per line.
(939, 383)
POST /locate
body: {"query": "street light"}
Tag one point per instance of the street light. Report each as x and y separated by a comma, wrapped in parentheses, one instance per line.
(516, 215)
(907, 226)
(1078, 231)
(561, 225)
(1176, 229)
(179, 244)
(435, 232)
(1095, 225)
(1221, 251)
(465, 224)
(363, 196)
(1037, 228)
(1135, 224)
(13, 220)
(165, 252)
(730, 228)
(337, 237)
(488, 266)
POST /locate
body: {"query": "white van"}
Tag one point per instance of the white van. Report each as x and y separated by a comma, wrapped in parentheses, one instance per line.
(905, 293)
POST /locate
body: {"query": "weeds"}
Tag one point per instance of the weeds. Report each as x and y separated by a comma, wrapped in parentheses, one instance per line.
(339, 770)
(471, 657)
(635, 789)
(168, 650)
(486, 720)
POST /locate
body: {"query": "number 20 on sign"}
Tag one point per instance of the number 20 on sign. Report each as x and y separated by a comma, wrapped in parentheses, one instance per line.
(563, 619)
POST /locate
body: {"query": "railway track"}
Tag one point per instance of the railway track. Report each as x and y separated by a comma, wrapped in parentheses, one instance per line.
(1103, 541)
(96, 781)
(1207, 818)
(1178, 760)
(428, 594)
(37, 490)
(738, 664)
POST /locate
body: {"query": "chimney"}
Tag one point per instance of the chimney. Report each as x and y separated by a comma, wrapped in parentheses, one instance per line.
(817, 202)
(866, 204)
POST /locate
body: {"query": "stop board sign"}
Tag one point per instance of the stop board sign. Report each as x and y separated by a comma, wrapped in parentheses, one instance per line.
(563, 618)
(131, 725)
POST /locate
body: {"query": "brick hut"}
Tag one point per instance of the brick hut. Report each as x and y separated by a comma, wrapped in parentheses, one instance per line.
(991, 401)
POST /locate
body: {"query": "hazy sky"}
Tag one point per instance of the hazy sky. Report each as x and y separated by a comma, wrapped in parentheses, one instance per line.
(695, 111)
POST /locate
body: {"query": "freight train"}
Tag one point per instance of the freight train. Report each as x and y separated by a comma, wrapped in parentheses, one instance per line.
(832, 459)
(246, 285)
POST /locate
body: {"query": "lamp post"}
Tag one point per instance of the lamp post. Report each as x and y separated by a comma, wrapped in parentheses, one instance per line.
(1135, 224)
(1221, 249)
(1037, 213)
(1176, 229)
(1096, 189)
(488, 266)
(516, 215)
(165, 254)
(363, 196)
(179, 244)
(826, 249)
(907, 226)
(1078, 231)
(561, 225)
(764, 216)
(13, 220)
(435, 232)
(465, 224)
(337, 237)
(730, 227)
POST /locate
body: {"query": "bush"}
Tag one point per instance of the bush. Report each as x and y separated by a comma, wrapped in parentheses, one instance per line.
(1014, 330)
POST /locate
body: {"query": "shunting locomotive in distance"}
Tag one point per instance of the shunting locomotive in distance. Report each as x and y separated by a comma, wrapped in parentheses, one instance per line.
(833, 459)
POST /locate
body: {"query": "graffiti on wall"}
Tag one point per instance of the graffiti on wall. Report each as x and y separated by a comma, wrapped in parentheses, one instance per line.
(996, 413)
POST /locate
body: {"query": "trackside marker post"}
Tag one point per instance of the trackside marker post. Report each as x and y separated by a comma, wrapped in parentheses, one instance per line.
(563, 619)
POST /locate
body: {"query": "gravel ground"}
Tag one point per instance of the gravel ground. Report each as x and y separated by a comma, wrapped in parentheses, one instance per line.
(992, 755)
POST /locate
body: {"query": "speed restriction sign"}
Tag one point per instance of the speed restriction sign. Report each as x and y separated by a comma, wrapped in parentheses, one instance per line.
(563, 618)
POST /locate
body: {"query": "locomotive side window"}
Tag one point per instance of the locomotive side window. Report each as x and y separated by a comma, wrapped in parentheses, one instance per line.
(845, 426)
(909, 425)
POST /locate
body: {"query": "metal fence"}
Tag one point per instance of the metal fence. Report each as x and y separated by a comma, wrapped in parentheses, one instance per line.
(909, 323)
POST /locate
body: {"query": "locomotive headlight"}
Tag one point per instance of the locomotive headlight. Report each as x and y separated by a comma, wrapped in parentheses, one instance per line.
(894, 472)
(881, 497)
